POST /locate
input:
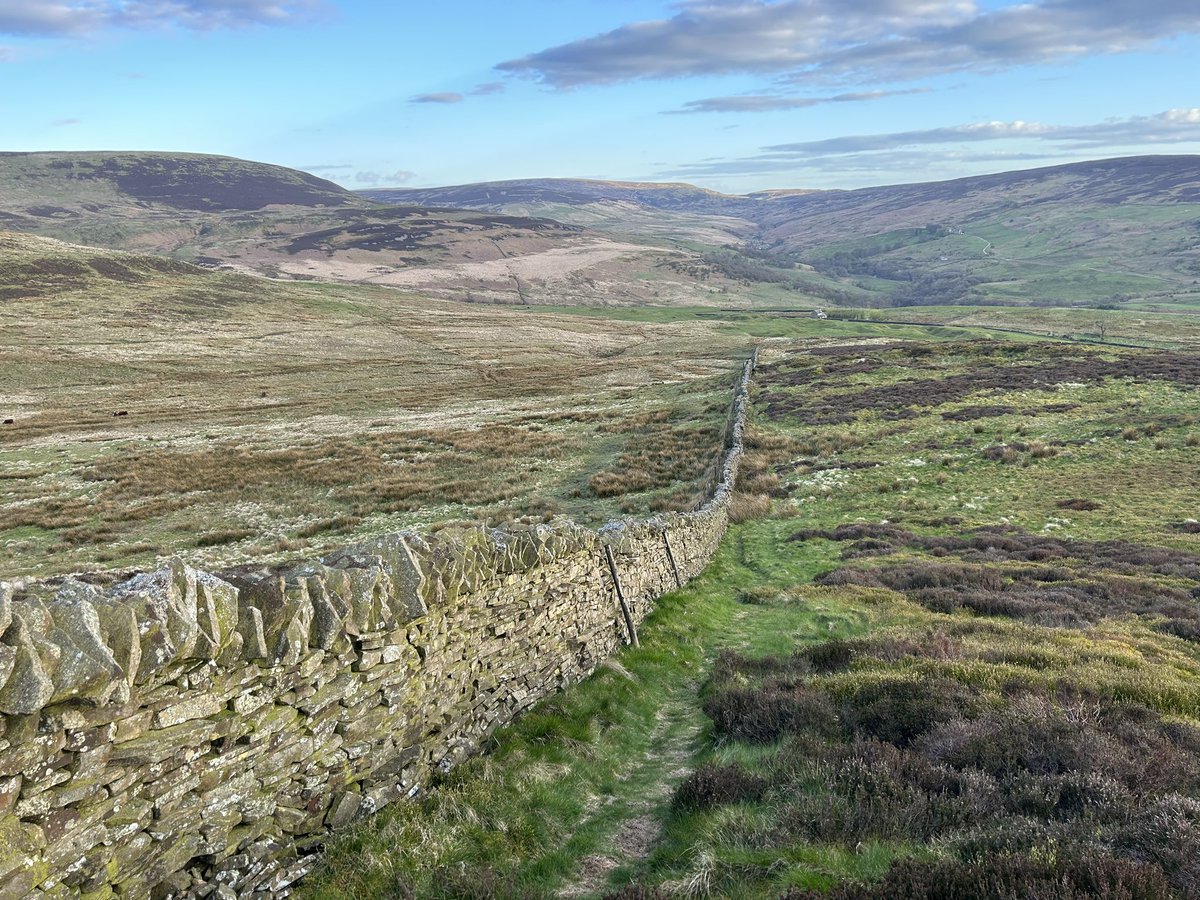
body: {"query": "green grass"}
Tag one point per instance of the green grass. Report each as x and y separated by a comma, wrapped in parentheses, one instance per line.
(1122, 324)
(766, 323)
(1076, 254)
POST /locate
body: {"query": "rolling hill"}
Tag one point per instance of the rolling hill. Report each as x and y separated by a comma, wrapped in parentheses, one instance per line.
(218, 210)
(1104, 232)
(1101, 232)
(672, 212)
(500, 195)
(254, 218)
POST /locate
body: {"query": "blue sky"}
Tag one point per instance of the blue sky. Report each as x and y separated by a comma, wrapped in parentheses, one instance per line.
(736, 95)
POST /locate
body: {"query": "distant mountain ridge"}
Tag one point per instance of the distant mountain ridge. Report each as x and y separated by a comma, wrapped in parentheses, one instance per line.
(1117, 180)
(495, 195)
(1099, 232)
(254, 217)
(811, 218)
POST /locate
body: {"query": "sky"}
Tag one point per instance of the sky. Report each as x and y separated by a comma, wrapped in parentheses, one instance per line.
(733, 95)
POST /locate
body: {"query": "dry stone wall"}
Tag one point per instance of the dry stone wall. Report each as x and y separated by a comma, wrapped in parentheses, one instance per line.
(186, 734)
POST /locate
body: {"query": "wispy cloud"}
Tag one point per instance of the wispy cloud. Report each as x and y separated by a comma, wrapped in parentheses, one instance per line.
(744, 103)
(891, 151)
(63, 123)
(348, 173)
(884, 165)
(372, 179)
(811, 42)
(492, 87)
(1172, 126)
(441, 97)
(72, 18)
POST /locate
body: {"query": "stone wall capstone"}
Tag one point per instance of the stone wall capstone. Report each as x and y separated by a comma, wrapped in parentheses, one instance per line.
(187, 734)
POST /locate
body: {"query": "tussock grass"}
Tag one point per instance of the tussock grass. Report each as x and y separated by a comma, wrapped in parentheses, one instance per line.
(267, 409)
(743, 506)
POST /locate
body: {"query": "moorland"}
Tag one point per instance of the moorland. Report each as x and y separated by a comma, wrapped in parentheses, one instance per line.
(950, 652)
(949, 648)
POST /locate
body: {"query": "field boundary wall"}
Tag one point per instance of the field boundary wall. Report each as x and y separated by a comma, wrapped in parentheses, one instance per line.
(182, 733)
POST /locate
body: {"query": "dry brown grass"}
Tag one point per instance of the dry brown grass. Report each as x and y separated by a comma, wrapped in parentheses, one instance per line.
(743, 507)
(664, 455)
(302, 415)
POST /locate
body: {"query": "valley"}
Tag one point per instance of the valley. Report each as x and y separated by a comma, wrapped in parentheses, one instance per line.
(271, 448)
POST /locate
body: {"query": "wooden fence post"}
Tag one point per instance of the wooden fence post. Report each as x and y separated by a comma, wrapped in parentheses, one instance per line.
(612, 568)
(671, 559)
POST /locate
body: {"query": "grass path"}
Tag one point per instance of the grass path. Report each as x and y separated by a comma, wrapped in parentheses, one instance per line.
(636, 812)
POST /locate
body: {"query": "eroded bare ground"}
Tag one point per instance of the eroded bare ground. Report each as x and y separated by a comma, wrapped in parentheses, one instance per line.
(227, 417)
(584, 270)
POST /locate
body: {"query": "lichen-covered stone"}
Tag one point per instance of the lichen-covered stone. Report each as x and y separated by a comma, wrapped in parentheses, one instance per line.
(250, 629)
(6, 602)
(404, 573)
(216, 616)
(29, 685)
(20, 847)
(164, 603)
(120, 633)
(87, 669)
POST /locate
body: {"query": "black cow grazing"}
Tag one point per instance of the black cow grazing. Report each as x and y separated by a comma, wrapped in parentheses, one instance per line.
(121, 413)
(8, 421)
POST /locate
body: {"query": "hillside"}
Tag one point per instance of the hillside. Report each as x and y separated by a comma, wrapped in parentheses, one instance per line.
(255, 218)
(1096, 234)
(667, 212)
(812, 218)
(1103, 232)
(1089, 233)
(218, 210)
(498, 195)
(88, 182)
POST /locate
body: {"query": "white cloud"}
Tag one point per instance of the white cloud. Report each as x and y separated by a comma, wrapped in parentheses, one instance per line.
(68, 18)
(860, 41)
(906, 149)
(778, 102)
(440, 97)
(1172, 126)
(400, 176)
